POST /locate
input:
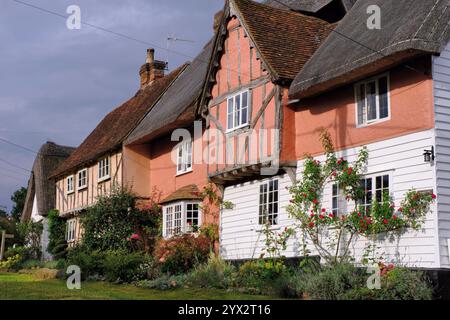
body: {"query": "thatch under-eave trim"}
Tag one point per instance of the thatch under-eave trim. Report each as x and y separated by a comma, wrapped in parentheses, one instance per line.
(362, 69)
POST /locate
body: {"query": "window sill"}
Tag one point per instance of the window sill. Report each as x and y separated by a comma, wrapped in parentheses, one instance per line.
(183, 173)
(100, 180)
(238, 130)
(82, 188)
(372, 123)
(260, 229)
(70, 192)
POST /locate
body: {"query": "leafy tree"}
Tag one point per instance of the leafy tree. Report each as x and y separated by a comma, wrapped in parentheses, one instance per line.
(31, 232)
(118, 222)
(18, 198)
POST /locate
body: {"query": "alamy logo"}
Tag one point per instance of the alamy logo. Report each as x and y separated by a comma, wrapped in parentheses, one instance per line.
(374, 281)
(374, 20)
(74, 20)
(74, 279)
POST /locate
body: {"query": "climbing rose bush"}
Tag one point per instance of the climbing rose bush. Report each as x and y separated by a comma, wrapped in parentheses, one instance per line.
(331, 234)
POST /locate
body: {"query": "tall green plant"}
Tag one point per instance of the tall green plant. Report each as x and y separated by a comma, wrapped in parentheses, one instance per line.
(56, 228)
(117, 222)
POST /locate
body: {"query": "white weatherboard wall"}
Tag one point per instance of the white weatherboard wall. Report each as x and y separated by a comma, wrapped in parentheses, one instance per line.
(441, 80)
(401, 157)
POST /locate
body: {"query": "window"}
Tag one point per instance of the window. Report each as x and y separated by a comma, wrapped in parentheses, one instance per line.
(180, 218)
(376, 185)
(82, 179)
(237, 112)
(372, 100)
(335, 199)
(184, 157)
(71, 230)
(70, 186)
(103, 169)
(268, 203)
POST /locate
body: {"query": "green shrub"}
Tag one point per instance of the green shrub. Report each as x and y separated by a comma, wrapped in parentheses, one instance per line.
(122, 266)
(290, 285)
(180, 254)
(55, 264)
(90, 263)
(109, 224)
(23, 252)
(165, 282)
(331, 283)
(404, 284)
(216, 273)
(31, 264)
(57, 245)
(258, 276)
(12, 263)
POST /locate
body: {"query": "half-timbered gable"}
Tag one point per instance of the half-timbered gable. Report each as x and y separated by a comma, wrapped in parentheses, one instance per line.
(258, 51)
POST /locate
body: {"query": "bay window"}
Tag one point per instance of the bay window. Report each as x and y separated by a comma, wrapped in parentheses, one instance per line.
(180, 218)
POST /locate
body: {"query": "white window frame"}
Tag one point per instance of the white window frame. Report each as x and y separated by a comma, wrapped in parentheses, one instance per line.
(357, 92)
(70, 184)
(80, 179)
(232, 98)
(104, 169)
(374, 188)
(336, 209)
(184, 157)
(175, 218)
(71, 229)
(269, 204)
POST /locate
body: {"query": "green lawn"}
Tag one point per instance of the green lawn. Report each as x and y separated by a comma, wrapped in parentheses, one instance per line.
(15, 286)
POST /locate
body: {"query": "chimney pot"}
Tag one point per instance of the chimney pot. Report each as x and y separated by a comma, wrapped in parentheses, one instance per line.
(152, 69)
(150, 56)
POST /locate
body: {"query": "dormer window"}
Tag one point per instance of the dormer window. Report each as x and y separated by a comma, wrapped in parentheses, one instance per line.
(237, 111)
(372, 100)
(103, 169)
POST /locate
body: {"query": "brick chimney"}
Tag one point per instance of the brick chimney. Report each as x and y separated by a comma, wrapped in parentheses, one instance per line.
(152, 69)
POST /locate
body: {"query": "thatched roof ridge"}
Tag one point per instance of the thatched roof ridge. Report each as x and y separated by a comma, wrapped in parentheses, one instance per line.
(49, 156)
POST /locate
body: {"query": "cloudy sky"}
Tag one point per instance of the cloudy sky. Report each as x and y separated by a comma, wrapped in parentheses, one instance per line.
(56, 84)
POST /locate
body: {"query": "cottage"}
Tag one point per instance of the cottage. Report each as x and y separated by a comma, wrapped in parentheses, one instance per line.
(41, 195)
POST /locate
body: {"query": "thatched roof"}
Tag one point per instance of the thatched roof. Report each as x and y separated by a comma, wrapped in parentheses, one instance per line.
(50, 155)
(115, 127)
(409, 28)
(177, 107)
(311, 6)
